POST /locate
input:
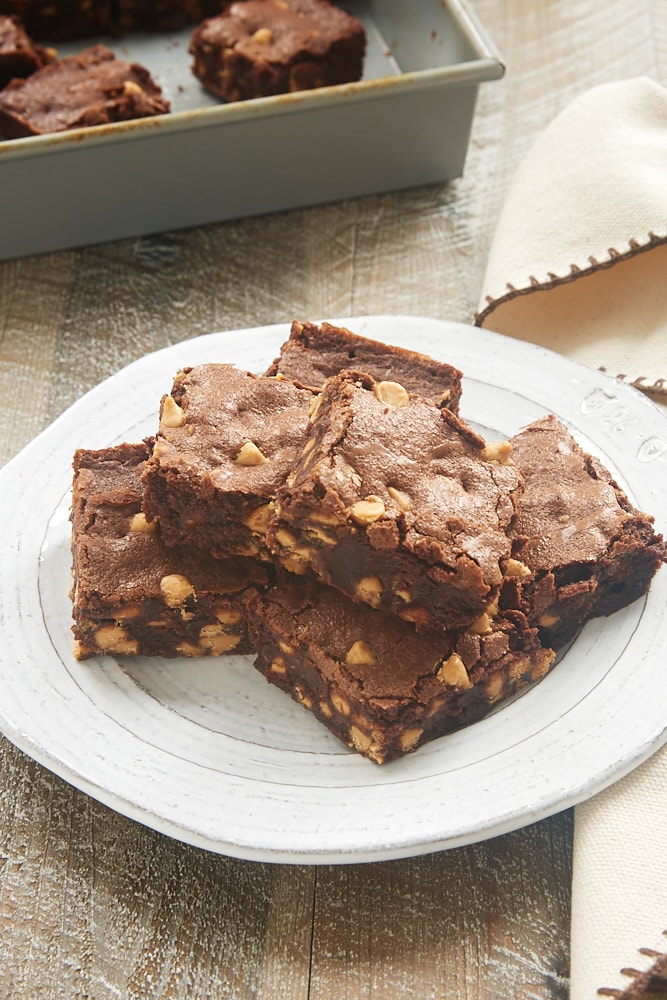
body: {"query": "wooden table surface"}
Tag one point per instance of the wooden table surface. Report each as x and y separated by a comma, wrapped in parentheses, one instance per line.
(94, 905)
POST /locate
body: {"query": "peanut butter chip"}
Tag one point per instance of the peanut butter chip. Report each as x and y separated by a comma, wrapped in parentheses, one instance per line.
(340, 703)
(493, 686)
(264, 36)
(114, 639)
(481, 626)
(218, 643)
(400, 498)
(258, 519)
(130, 87)
(172, 414)
(140, 525)
(367, 511)
(286, 538)
(314, 408)
(498, 451)
(453, 672)
(516, 570)
(360, 739)
(410, 738)
(360, 654)
(369, 589)
(227, 615)
(250, 455)
(392, 393)
(175, 589)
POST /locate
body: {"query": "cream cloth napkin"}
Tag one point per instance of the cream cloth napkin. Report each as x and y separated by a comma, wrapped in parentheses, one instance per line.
(579, 257)
(579, 264)
(619, 885)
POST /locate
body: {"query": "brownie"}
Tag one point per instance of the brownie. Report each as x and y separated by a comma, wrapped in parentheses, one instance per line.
(256, 48)
(92, 88)
(60, 20)
(582, 550)
(132, 595)
(227, 440)
(314, 352)
(374, 682)
(398, 503)
(160, 15)
(19, 55)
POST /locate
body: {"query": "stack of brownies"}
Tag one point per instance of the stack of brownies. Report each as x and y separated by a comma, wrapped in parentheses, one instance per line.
(389, 569)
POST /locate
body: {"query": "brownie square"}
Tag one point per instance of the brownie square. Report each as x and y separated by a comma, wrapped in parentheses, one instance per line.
(92, 88)
(582, 549)
(398, 503)
(314, 352)
(57, 21)
(160, 15)
(227, 440)
(72, 19)
(19, 55)
(132, 595)
(256, 48)
(374, 682)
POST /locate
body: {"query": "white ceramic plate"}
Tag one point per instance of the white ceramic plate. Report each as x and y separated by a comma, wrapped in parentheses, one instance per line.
(207, 752)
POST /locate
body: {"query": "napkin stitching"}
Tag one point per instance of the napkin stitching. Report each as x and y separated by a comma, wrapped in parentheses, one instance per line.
(653, 979)
(644, 382)
(576, 271)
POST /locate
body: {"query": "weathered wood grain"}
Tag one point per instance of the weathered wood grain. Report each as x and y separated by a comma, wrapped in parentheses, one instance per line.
(93, 905)
(448, 925)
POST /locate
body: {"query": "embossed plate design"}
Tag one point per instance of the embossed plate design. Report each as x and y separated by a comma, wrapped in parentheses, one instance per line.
(207, 752)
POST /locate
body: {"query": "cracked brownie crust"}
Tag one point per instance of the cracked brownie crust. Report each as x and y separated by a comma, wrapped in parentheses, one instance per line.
(373, 681)
(227, 441)
(92, 88)
(132, 595)
(314, 352)
(262, 47)
(588, 550)
(398, 504)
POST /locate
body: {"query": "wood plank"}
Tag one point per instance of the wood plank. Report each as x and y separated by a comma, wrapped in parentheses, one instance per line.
(33, 303)
(95, 905)
(482, 921)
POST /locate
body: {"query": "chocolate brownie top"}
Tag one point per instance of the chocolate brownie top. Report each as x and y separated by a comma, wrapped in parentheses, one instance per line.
(572, 510)
(226, 429)
(92, 88)
(315, 352)
(121, 557)
(379, 658)
(430, 479)
(278, 30)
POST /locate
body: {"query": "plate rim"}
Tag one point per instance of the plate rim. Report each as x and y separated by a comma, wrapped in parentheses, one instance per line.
(408, 845)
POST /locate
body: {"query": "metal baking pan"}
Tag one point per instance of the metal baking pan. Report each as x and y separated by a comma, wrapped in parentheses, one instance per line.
(405, 124)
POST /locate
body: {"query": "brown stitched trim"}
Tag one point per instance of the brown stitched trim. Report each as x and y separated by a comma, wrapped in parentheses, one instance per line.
(650, 984)
(575, 272)
(658, 387)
